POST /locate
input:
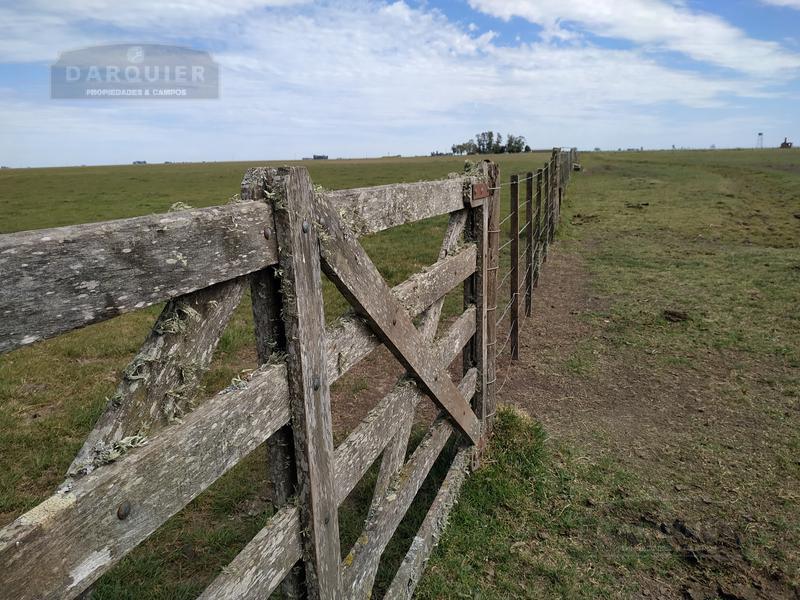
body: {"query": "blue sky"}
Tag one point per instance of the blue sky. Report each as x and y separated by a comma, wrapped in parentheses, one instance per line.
(357, 78)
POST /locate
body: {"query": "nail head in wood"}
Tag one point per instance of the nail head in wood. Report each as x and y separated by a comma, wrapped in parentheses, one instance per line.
(123, 510)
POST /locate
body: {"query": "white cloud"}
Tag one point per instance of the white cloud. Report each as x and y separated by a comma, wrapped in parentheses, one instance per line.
(659, 24)
(356, 78)
(789, 3)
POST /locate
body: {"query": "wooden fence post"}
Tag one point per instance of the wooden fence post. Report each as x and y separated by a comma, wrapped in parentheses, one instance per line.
(492, 205)
(538, 250)
(475, 293)
(556, 190)
(307, 374)
(551, 199)
(271, 338)
(529, 243)
(546, 215)
(514, 285)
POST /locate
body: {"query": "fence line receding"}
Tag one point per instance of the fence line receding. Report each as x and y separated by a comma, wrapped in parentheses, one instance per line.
(277, 242)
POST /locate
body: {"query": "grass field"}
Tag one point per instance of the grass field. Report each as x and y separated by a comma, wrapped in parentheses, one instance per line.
(714, 234)
(51, 393)
(667, 463)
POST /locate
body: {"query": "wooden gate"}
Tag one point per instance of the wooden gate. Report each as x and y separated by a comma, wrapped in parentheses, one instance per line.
(149, 455)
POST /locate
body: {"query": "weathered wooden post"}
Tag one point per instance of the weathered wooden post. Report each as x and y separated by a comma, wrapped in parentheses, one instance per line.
(547, 210)
(538, 242)
(307, 374)
(492, 207)
(271, 338)
(552, 185)
(475, 355)
(529, 243)
(556, 189)
(514, 284)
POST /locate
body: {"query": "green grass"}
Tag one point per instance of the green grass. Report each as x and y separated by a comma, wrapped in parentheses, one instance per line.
(711, 233)
(52, 393)
(714, 234)
(532, 523)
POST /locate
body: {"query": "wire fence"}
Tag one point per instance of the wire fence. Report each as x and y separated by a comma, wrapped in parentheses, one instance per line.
(529, 227)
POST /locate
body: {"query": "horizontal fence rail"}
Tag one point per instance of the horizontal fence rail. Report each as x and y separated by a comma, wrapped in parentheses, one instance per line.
(150, 453)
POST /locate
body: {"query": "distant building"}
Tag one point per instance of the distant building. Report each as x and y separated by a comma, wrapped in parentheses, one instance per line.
(786, 144)
(320, 157)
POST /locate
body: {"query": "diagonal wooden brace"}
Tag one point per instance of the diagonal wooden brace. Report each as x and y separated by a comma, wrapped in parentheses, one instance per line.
(347, 264)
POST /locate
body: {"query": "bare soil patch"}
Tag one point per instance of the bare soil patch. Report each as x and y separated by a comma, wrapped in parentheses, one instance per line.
(703, 459)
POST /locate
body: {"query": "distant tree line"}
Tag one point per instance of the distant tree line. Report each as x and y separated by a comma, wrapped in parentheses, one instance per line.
(490, 143)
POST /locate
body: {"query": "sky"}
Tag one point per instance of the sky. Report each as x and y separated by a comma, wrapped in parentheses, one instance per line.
(363, 78)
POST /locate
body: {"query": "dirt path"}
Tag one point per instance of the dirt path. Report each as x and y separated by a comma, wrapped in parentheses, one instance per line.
(702, 459)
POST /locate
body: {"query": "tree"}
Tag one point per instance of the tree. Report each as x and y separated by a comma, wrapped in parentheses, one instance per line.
(515, 144)
(487, 142)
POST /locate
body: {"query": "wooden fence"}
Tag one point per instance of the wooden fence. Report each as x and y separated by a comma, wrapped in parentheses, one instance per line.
(124, 484)
(545, 190)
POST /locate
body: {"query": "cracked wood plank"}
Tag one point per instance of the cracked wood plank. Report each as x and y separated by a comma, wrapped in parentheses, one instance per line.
(368, 439)
(395, 453)
(261, 567)
(56, 280)
(75, 536)
(384, 518)
(374, 209)
(309, 391)
(160, 383)
(268, 557)
(248, 416)
(411, 569)
(475, 352)
(348, 266)
(271, 339)
(93, 272)
(350, 339)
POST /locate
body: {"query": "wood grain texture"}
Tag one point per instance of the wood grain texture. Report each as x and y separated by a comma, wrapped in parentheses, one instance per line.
(75, 536)
(351, 338)
(92, 272)
(513, 285)
(491, 173)
(538, 237)
(81, 523)
(373, 209)
(475, 353)
(261, 565)
(55, 280)
(355, 455)
(350, 268)
(260, 568)
(306, 366)
(395, 453)
(528, 243)
(385, 516)
(270, 335)
(411, 569)
(159, 385)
